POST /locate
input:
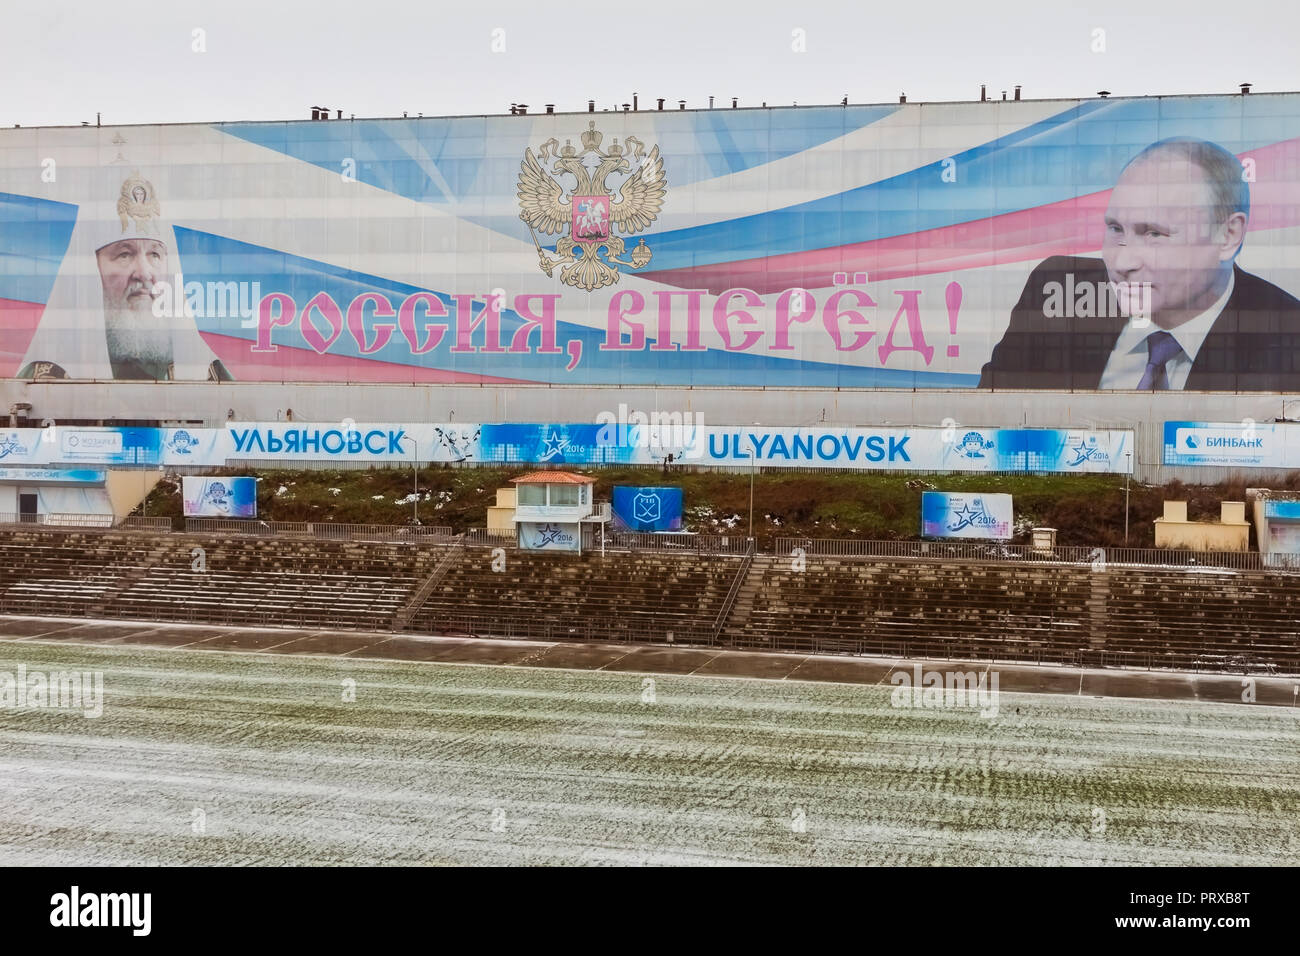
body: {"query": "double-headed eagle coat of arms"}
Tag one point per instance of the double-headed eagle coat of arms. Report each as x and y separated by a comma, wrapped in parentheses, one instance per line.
(562, 188)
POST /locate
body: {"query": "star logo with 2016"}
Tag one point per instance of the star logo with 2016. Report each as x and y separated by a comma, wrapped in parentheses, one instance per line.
(968, 515)
(552, 534)
(555, 445)
(1084, 452)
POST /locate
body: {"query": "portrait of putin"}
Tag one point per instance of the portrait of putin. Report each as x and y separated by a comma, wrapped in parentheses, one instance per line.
(1180, 313)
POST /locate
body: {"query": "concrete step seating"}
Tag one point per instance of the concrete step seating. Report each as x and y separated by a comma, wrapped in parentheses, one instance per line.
(1246, 622)
(859, 598)
(258, 581)
(1137, 617)
(619, 596)
(1176, 618)
(46, 573)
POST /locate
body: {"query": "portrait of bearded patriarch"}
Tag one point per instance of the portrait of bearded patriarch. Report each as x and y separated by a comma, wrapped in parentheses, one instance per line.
(133, 261)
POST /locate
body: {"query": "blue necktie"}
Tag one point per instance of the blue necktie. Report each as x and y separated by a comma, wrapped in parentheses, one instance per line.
(1161, 347)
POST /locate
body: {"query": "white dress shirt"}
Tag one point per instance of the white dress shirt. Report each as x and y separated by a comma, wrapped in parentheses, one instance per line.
(1128, 360)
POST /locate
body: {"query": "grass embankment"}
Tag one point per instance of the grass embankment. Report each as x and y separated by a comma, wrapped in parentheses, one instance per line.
(1085, 509)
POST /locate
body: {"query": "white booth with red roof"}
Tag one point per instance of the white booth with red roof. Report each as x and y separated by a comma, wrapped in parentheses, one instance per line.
(555, 511)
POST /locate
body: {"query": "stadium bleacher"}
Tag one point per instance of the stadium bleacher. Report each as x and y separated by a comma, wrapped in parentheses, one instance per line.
(652, 597)
(244, 580)
(1199, 618)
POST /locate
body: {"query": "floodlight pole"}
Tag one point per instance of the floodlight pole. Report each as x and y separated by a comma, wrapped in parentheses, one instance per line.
(1128, 456)
(415, 476)
(751, 490)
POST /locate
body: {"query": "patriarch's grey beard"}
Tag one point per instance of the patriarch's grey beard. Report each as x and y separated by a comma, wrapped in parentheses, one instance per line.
(137, 335)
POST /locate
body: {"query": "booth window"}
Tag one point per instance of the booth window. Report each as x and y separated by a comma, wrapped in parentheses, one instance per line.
(564, 496)
(533, 496)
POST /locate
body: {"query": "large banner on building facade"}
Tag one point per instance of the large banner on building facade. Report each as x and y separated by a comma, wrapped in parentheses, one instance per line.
(1034, 244)
(958, 448)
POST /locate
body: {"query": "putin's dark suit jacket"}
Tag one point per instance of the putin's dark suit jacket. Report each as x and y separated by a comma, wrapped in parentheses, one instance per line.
(1253, 346)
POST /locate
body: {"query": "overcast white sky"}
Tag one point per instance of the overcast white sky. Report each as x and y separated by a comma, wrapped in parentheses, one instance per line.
(63, 60)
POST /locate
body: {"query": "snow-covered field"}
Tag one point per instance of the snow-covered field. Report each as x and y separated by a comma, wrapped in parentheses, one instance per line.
(224, 758)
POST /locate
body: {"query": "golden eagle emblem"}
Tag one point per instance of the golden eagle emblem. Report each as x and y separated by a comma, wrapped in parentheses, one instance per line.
(562, 188)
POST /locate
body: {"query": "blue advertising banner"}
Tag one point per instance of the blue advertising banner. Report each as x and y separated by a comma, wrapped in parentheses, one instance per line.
(220, 497)
(951, 515)
(648, 509)
(61, 476)
(1282, 510)
(892, 449)
(1246, 443)
(1054, 450)
(69, 445)
(553, 445)
(907, 449)
(116, 446)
